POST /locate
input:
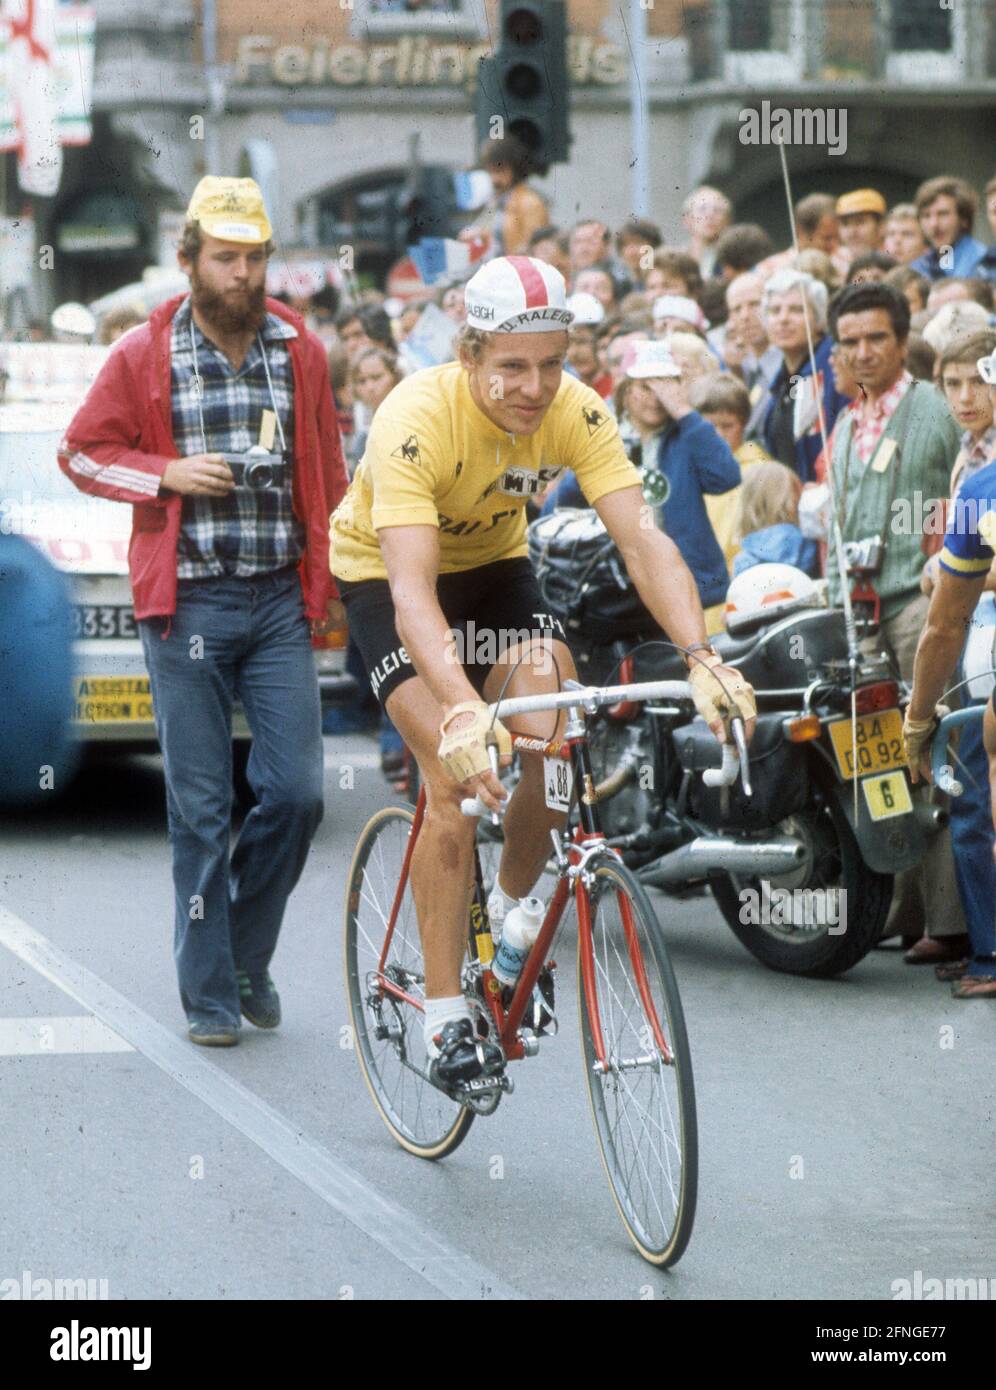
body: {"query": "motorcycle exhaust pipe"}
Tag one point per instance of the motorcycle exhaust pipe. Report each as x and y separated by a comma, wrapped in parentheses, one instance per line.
(712, 853)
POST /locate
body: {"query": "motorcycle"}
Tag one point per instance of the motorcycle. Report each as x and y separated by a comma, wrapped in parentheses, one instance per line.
(801, 869)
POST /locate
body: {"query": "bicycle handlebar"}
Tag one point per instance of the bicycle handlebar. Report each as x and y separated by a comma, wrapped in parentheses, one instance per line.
(735, 756)
(943, 773)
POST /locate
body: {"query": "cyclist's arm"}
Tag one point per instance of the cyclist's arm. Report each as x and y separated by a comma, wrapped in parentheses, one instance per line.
(411, 558)
(653, 562)
(951, 606)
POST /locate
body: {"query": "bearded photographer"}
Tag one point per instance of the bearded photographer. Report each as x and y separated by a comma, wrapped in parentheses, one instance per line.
(215, 421)
(893, 449)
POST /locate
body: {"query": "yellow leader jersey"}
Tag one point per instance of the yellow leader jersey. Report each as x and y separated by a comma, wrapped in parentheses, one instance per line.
(434, 458)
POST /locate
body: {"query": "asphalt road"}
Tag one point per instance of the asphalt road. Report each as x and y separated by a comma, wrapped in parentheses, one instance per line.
(845, 1126)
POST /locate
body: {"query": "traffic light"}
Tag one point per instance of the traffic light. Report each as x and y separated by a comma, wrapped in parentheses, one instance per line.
(525, 85)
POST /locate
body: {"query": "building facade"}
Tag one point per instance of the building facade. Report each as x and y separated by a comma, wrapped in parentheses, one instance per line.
(333, 103)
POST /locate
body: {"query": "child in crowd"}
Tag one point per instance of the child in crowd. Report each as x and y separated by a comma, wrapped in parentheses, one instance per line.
(724, 401)
(768, 521)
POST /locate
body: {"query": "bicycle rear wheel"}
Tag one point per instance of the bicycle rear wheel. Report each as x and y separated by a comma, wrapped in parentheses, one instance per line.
(387, 1030)
(643, 1097)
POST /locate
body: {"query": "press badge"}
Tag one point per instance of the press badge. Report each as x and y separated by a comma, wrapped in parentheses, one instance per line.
(883, 455)
(267, 430)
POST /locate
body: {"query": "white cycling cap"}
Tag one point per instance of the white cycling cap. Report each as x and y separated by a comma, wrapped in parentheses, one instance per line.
(585, 308)
(650, 359)
(517, 294)
(678, 306)
(75, 319)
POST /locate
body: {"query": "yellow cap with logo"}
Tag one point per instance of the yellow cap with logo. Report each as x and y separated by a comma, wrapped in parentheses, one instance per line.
(230, 209)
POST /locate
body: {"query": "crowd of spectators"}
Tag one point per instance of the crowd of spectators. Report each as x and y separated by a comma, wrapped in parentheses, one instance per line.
(745, 376)
(742, 374)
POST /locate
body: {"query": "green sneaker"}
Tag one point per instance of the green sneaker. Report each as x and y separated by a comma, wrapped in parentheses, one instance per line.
(213, 1034)
(260, 1001)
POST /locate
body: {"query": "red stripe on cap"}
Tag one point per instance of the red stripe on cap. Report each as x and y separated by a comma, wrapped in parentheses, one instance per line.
(532, 281)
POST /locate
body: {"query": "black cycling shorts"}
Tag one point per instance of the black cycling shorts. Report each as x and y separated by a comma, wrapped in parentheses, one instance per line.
(489, 608)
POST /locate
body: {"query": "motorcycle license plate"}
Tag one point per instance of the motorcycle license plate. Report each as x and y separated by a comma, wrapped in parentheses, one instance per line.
(879, 743)
(887, 795)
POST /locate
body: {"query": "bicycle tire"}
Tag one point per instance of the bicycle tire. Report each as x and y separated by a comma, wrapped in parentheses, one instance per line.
(420, 1117)
(657, 1210)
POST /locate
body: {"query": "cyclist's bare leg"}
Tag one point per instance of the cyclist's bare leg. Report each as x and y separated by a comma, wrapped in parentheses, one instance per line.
(528, 821)
(442, 867)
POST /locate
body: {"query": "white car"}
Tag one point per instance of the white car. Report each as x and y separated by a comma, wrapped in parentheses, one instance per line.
(87, 538)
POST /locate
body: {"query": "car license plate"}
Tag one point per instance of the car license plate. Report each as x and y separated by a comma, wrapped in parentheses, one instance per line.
(887, 795)
(112, 700)
(880, 743)
(104, 620)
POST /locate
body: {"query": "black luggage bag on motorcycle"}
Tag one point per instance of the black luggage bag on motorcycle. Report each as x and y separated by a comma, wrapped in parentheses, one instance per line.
(583, 580)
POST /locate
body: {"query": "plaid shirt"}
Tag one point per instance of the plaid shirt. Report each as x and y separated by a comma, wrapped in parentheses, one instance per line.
(870, 420)
(249, 531)
(975, 454)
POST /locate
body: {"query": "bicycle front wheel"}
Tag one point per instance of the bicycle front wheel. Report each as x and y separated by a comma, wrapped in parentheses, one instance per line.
(387, 1028)
(638, 1066)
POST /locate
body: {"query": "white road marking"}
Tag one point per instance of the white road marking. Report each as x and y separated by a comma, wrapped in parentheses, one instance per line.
(352, 760)
(22, 1037)
(397, 1230)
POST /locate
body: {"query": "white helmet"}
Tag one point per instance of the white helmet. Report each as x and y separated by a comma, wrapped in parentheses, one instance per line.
(766, 592)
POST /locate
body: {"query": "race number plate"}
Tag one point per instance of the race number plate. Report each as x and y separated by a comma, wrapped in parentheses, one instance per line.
(880, 743)
(887, 795)
(112, 700)
(558, 782)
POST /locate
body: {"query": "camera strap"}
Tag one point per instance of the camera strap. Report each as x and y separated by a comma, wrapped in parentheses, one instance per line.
(199, 389)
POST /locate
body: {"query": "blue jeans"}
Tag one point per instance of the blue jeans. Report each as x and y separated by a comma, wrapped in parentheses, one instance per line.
(972, 846)
(247, 638)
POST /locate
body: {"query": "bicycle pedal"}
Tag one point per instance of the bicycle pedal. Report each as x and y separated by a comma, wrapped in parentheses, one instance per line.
(483, 1086)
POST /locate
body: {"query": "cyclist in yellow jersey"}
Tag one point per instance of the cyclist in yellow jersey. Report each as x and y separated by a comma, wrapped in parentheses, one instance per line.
(429, 550)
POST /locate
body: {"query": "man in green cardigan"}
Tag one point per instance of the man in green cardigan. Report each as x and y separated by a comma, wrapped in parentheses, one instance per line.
(892, 455)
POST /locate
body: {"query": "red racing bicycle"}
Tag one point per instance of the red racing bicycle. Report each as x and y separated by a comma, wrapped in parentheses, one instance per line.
(637, 1063)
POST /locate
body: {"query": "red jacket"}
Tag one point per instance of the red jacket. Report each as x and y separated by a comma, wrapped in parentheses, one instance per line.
(121, 439)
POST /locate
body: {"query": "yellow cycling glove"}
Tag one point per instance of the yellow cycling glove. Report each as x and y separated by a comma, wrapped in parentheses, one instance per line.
(463, 751)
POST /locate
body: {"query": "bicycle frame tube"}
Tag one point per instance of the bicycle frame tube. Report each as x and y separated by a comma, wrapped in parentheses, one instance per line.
(642, 983)
(399, 894)
(508, 1022)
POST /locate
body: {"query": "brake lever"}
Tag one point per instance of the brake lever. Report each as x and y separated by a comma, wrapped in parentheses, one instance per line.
(735, 760)
(473, 805)
(740, 739)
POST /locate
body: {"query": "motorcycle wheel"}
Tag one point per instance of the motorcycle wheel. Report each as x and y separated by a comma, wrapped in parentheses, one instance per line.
(834, 862)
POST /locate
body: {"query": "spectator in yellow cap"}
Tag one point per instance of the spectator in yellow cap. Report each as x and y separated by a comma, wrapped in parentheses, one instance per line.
(860, 215)
(215, 421)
